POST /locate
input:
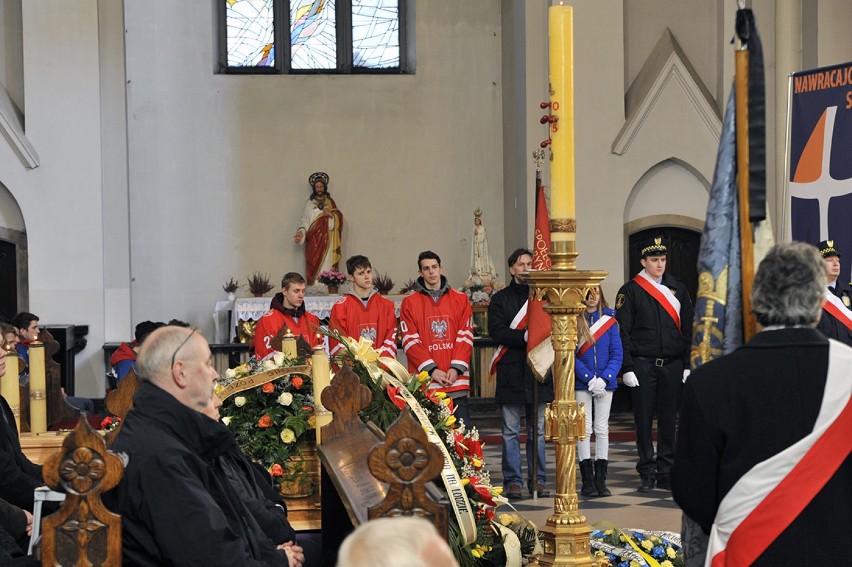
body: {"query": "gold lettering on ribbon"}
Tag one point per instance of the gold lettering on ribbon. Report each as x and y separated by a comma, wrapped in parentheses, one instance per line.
(261, 378)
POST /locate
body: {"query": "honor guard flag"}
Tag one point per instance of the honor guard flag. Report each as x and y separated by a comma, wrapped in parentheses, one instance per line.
(539, 348)
(717, 328)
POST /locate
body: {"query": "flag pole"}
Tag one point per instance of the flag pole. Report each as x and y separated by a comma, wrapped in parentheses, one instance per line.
(746, 229)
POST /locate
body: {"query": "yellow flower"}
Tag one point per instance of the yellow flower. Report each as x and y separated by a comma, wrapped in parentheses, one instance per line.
(287, 435)
(671, 553)
(476, 552)
(506, 519)
(450, 420)
(465, 481)
(667, 563)
(636, 563)
(423, 376)
(647, 545)
(240, 401)
(497, 491)
(477, 462)
(608, 532)
(440, 395)
(312, 422)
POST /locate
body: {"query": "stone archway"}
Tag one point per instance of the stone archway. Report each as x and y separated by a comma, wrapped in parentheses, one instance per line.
(14, 278)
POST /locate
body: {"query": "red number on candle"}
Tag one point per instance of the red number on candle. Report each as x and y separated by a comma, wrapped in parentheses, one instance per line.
(554, 105)
(554, 128)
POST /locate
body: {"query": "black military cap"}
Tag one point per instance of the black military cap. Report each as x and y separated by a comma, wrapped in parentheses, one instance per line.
(653, 247)
(827, 249)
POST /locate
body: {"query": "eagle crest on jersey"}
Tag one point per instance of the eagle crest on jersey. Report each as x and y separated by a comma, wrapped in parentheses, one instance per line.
(439, 329)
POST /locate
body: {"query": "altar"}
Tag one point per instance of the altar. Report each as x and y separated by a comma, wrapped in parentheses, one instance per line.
(233, 315)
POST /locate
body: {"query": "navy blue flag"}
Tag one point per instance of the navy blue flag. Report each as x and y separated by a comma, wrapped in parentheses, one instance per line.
(717, 328)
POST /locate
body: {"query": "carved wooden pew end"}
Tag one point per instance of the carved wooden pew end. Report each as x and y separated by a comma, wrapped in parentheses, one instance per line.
(83, 531)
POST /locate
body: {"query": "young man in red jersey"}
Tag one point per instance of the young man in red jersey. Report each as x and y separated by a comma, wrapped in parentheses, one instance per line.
(287, 309)
(363, 312)
(437, 335)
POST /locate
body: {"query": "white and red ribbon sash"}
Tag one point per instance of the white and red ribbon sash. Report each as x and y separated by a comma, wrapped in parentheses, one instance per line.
(770, 496)
(519, 322)
(836, 309)
(597, 330)
(662, 294)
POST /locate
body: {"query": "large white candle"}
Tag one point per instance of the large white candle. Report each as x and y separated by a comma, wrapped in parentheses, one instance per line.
(9, 385)
(38, 387)
(560, 31)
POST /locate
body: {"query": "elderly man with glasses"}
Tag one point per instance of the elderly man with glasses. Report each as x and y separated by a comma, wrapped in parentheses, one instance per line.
(176, 507)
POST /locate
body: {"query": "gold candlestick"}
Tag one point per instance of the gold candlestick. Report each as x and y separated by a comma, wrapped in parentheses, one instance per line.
(9, 385)
(38, 387)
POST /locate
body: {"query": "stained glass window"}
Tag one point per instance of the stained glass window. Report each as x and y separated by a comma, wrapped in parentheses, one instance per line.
(250, 32)
(375, 34)
(336, 36)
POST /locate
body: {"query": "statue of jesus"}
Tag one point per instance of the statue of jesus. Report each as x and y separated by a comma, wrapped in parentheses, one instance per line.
(321, 227)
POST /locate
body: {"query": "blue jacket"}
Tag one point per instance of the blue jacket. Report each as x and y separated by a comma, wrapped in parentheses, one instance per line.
(603, 359)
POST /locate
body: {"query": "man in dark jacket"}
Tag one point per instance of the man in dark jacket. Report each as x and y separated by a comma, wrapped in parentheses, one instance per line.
(507, 325)
(763, 452)
(19, 477)
(836, 319)
(654, 315)
(177, 507)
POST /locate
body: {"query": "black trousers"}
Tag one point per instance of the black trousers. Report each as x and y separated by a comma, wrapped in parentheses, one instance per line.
(659, 389)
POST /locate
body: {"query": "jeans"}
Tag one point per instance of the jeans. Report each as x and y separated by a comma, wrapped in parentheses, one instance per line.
(462, 412)
(600, 427)
(511, 426)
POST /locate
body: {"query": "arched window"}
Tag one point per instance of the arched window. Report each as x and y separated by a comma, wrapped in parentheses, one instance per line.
(315, 36)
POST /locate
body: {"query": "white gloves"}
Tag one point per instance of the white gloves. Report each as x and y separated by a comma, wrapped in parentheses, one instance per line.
(597, 386)
(630, 380)
(686, 373)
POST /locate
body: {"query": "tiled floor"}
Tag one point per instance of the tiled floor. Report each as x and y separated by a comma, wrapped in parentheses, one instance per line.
(626, 507)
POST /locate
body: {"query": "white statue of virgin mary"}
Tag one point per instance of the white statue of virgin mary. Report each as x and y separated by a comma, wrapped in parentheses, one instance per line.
(480, 261)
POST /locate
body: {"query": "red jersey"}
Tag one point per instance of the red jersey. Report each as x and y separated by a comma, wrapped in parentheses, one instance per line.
(375, 320)
(272, 321)
(438, 334)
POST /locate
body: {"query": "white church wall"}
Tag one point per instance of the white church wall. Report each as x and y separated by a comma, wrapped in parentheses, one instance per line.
(60, 199)
(219, 164)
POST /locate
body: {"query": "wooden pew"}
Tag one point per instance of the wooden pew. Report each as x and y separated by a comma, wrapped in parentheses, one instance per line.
(367, 474)
(82, 531)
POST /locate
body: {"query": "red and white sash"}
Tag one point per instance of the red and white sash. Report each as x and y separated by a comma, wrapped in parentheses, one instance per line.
(662, 294)
(597, 330)
(766, 500)
(519, 322)
(836, 309)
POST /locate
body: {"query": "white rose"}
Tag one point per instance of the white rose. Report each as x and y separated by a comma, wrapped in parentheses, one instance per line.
(230, 374)
(278, 357)
(285, 399)
(268, 364)
(239, 401)
(288, 436)
(226, 420)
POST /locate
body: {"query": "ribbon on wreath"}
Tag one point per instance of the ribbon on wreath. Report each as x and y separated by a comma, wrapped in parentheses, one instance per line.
(259, 379)
(395, 374)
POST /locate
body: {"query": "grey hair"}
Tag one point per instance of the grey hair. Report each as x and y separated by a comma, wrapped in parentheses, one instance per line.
(155, 355)
(387, 542)
(789, 285)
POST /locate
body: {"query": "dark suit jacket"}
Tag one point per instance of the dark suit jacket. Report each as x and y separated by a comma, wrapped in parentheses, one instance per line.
(742, 409)
(18, 475)
(829, 325)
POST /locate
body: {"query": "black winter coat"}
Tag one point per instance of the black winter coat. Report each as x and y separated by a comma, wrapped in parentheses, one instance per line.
(515, 380)
(19, 477)
(177, 506)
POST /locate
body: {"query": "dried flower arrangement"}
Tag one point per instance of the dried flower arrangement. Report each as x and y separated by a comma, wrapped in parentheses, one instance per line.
(259, 284)
(407, 287)
(231, 286)
(383, 283)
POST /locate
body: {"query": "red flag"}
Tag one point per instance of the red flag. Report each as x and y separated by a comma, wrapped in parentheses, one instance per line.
(539, 348)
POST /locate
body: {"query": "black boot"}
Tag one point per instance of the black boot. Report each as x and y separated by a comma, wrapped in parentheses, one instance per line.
(647, 483)
(600, 477)
(588, 476)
